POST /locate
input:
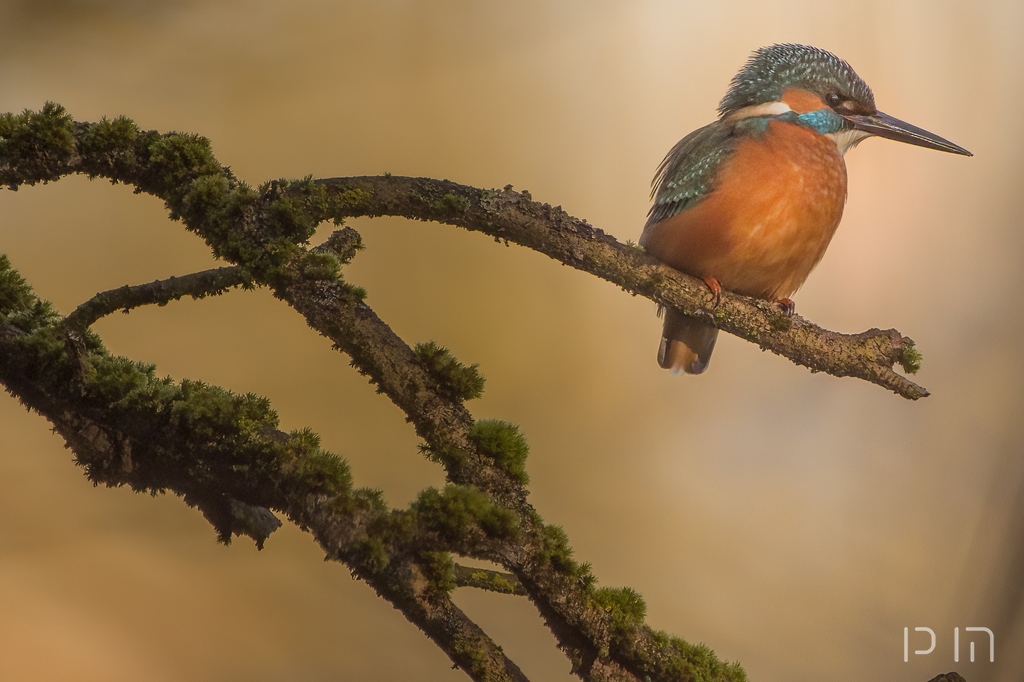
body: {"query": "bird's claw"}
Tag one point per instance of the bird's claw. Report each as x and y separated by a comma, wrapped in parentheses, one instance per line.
(716, 290)
(787, 305)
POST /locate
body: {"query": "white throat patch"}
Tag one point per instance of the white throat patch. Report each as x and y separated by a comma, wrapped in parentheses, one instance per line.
(848, 139)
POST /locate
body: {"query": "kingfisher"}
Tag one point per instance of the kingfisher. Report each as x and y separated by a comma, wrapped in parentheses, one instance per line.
(750, 202)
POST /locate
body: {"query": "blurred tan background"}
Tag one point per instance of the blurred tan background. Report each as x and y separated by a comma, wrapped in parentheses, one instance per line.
(794, 522)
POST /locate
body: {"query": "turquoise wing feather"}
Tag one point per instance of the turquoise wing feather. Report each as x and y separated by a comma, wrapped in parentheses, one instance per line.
(687, 175)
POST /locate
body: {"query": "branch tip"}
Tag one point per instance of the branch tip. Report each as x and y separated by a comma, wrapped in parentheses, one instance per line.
(160, 292)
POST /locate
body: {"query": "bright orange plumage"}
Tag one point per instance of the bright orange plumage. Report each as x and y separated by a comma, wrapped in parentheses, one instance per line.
(777, 202)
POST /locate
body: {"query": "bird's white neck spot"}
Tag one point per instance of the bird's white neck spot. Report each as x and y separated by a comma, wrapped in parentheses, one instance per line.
(847, 139)
(766, 109)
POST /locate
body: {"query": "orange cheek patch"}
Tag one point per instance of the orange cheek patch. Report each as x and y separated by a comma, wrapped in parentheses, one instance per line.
(801, 101)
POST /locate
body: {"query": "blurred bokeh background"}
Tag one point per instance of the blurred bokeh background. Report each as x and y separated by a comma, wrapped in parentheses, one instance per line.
(794, 522)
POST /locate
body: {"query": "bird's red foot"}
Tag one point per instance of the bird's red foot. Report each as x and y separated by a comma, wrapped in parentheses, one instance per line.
(787, 305)
(716, 290)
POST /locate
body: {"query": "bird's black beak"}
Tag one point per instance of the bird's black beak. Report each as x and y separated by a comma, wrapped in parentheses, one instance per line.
(885, 125)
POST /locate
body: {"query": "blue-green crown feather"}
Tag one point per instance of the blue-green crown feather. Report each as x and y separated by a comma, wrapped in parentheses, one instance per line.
(772, 69)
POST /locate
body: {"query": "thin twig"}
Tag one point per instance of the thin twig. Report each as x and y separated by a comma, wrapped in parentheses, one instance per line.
(160, 292)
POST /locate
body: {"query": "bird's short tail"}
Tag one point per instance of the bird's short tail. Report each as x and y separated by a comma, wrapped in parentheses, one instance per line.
(686, 344)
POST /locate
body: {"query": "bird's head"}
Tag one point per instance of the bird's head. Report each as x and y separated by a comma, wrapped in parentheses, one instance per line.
(824, 91)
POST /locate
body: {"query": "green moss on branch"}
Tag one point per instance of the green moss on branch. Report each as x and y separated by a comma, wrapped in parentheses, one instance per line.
(505, 443)
(459, 381)
(129, 427)
(224, 454)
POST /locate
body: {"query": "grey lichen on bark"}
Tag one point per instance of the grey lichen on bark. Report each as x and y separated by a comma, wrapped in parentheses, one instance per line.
(224, 453)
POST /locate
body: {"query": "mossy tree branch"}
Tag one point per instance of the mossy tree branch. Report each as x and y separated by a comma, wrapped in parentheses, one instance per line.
(513, 216)
(126, 427)
(224, 454)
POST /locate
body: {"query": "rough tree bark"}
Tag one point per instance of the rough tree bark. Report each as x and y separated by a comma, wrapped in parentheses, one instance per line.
(224, 454)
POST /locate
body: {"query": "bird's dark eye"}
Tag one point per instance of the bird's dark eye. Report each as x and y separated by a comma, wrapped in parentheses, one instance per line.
(833, 99)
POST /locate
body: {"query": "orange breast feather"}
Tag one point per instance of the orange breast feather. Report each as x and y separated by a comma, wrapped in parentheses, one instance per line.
(777, 202)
